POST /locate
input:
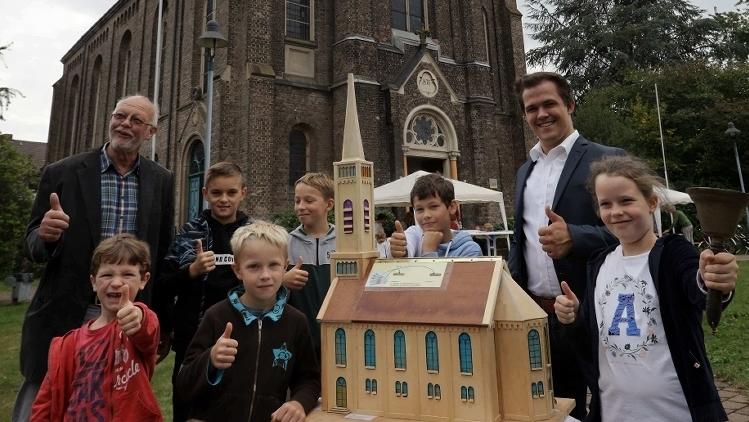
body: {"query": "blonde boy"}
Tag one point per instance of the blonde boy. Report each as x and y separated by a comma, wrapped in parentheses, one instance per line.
(96, 371)
(251, 347)
(310, 247)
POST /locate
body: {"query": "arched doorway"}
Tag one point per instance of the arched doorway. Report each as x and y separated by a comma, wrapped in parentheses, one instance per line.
(195, 166)
(430, 142)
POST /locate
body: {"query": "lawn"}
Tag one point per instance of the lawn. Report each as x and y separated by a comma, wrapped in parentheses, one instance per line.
(728, 351)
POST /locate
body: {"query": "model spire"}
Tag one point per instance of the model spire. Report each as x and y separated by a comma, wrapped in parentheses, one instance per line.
(352, 143)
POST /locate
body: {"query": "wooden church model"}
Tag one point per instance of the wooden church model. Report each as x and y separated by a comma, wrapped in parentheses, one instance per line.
(453, 339)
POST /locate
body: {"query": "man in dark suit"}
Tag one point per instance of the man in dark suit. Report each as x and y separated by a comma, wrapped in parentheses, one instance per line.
(80, 201)
(556, 226)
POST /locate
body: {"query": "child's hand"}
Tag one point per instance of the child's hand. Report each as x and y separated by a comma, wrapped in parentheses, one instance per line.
(719, 272)
(129, 316)
(223, 352)
(205, 261)
(398, 241)
(555, 238)
(431, 241)
(566, 305)
(291, 411)
(296, 278)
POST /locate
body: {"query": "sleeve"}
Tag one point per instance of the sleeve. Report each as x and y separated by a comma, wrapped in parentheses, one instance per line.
(685, 259)
(586, 239)
(305, 381)
(192, 381)
(41, 410)
(146, 340)
(472, 249)
(37, 249)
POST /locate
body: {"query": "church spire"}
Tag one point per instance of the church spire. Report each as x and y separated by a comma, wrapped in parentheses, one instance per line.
(352, 143)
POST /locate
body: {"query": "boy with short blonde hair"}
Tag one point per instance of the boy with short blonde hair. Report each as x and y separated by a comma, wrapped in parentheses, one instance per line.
(96, 370)
(310, 247)
(252, 347)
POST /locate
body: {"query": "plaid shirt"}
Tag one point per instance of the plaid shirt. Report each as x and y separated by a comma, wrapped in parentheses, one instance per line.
(119, 198)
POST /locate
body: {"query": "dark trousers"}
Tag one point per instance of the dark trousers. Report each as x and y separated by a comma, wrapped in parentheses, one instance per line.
(180, 409)
(566, 370)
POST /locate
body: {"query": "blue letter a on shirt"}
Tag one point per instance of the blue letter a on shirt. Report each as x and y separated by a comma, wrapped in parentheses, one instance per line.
(626, 300)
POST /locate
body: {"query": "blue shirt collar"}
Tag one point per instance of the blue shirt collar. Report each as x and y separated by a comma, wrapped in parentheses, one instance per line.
(248, 316)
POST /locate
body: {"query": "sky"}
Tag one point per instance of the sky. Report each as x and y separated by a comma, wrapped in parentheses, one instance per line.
(42, 31)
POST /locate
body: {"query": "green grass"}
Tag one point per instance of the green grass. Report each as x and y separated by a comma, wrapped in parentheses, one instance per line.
(729, 350)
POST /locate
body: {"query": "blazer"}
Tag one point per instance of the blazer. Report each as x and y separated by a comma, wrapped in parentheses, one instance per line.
(574, 203)
(59, 304)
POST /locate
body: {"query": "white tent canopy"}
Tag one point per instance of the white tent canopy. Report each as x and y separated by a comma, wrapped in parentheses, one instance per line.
(398, 194)
(668, 196)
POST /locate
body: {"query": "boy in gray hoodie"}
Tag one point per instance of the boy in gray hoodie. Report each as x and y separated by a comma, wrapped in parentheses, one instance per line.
(310, 247)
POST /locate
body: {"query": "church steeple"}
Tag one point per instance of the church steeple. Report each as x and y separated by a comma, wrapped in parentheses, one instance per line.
(354, 198)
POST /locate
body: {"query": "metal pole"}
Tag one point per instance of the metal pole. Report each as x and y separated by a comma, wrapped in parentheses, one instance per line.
(157, 76)
(660, 129)
(209, 113)
(741, 178)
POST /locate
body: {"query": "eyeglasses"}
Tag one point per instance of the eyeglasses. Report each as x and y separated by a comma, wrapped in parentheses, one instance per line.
(134, 120)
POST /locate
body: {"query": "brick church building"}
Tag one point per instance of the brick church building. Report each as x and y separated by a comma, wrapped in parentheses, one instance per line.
(440, 100)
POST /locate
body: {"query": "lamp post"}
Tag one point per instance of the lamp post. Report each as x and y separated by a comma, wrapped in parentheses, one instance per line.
(210, 40)
(734, 133)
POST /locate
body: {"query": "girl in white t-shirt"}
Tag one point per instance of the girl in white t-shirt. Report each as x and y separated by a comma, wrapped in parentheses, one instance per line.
(638, 325)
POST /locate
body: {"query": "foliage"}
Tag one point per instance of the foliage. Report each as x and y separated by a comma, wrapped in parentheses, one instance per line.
(286, 218)
(730, 37)
(388, 219)
(595, 42)
(696, 103)
(6, 94)
(16, 175)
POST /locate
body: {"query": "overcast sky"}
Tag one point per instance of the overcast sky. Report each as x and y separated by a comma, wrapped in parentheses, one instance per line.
(42, 31)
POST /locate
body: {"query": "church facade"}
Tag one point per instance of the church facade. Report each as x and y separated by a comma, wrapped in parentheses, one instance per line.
(434, 82)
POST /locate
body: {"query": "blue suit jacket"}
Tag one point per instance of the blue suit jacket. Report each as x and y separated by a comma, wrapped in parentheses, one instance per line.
(574, 203)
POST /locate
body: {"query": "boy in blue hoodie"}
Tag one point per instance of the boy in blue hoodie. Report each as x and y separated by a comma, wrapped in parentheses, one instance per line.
(433, 201)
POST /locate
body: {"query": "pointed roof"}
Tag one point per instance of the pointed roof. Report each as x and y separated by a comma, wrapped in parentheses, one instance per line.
(408, 70)
(352, 143)
(514, 304)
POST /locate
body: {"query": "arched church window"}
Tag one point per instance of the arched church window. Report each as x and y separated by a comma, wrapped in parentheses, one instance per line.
(195, 179)
(424, 131)
(297, 155)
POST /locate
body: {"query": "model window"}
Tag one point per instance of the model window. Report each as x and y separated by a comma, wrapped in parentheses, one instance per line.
(433, 359)
(471, 395)
(366, 215)
(298, 19)
(430, 390)
(534, 390)
(348, 216)
(541, 388)
(437, 392)
(534, 349)
(466, 355)
(368, 386)
(340, 393)
(398, 388)
(340, 347)
(374, 386)
(463, 393)
(404, 389)
(369, 349)
(399, 351)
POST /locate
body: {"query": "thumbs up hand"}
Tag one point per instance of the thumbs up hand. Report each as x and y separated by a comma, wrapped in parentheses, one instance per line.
(224, 351)
(129, 317)
(54, 222)
(566, 305)
(398, 246)
(205, 261)
(555, 238)
(296, 278)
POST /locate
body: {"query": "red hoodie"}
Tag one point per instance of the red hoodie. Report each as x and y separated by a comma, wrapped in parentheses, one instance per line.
(101, 374)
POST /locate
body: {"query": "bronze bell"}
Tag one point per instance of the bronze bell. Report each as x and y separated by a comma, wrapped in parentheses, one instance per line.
(719, 212)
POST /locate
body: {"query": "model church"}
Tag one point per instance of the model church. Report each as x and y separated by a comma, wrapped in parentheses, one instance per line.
(452, 339)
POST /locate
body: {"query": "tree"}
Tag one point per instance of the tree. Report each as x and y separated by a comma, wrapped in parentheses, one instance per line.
(697, 101)
(17, 174)
(596, 42)
(730, 36)
(6, 94)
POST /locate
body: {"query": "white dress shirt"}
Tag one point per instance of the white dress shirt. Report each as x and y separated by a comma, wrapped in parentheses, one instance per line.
(539, 194)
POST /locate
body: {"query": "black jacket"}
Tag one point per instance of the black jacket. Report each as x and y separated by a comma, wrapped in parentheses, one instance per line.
(673, 263)
(64, 292)
(275, 353)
